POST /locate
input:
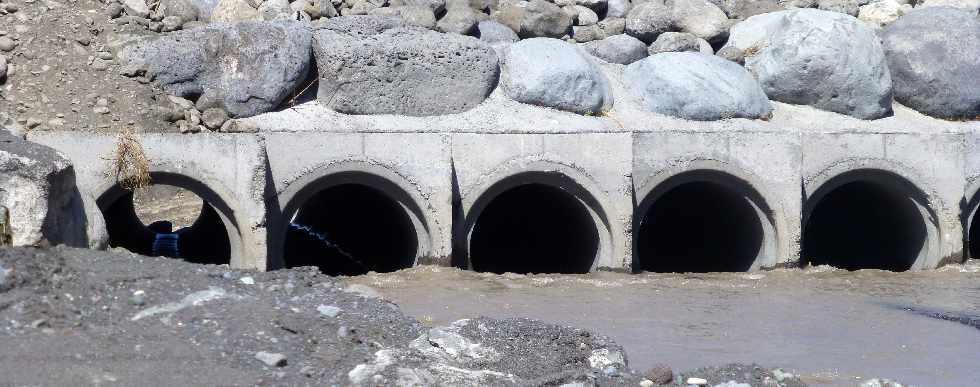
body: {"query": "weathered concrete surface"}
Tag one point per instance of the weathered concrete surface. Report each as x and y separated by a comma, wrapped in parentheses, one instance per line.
(612, 162)
(411, 168)
(227, 171)
(594, 168)
(38, 195)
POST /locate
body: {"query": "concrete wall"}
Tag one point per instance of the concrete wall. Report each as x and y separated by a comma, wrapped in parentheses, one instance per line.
(444, 170)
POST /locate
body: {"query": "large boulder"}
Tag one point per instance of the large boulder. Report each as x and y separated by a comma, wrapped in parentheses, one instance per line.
(744, 9)
(186, 10)
(535, 18)
(234, 11)
(824, 59)
(245, 69)
(39, 202)
(679, 42)
(622, 49)
(700, 18)
(403, 70)
(696, 86)
(936, 70)
(493, 32)
(968, 5)
(648, 20)
(555, 74)
(460, 19)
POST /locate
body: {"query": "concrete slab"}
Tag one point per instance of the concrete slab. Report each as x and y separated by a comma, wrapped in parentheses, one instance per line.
(410, 168)
(227, 171)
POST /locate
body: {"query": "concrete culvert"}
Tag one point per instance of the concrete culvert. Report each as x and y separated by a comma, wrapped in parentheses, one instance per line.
(351, 229)
(700, 226)
(534, 228)
(974, 237)
(865, 225)
(168, 221)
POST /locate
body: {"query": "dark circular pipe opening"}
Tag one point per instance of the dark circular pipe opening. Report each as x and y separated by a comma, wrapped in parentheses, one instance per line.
(205, 241)
(864, 225)
(534, 228)
(699, 227)
(974, 237)
(351, 229)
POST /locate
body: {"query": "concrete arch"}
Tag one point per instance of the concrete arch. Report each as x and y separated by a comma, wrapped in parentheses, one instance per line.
(893, 178)
(360, 172)
(528, 171)
(732, 178)
(215, 196)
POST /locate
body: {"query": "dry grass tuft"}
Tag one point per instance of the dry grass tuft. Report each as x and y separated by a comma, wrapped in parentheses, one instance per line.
(128, 164)
(755, 49)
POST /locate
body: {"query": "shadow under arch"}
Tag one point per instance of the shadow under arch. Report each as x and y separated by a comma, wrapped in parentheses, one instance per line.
(381, 185)
(113, 210)
(531, 211)
(869, 218)
(969, 206)
(703, 220)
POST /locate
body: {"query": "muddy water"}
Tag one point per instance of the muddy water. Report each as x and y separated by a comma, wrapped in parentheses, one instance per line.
(833, 327)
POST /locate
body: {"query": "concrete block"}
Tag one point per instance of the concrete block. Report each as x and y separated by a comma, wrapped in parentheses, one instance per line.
(412, 169)
(593, 169)
(759, 169)
(227, 171)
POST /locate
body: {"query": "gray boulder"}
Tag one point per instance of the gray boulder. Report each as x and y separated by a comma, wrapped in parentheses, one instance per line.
(234, 11)
(696, 86)
(968, 5)
(38, 194)
(437, 6)
(827, 60)
(617, 8)
(850, 7)
(700, 18)
(408, 71)
(186, 10)
(412, 14)
(679, 42)
(648, 20)
(555, 74)
(493, 32)
(362, 25)
(535, 18)
(936, 73)
(459, 19)
(744, 9)
(622, 49)
(245, 69)
(136, 8)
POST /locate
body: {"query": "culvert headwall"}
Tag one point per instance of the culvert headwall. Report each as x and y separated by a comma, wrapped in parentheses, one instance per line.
(613, 192)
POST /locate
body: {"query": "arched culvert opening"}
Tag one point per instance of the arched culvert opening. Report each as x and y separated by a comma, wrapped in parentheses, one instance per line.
(164, 220)
(702, 221)
(973, 236)
(534, 228)
(866, 220)
(351, 229)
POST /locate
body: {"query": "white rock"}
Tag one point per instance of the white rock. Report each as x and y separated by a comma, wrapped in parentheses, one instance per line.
(247, 280)
(328, 310)
(271, 359)
(882, 12)
(136, 8)
(697, 381)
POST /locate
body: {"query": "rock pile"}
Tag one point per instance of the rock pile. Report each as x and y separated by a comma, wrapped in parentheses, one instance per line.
(433, 57)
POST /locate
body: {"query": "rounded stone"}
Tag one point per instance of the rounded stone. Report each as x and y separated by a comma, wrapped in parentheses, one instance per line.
(696, 86)
(679, 42)
(827, 60)
(622, 49)
(936, 71)
(556, 74)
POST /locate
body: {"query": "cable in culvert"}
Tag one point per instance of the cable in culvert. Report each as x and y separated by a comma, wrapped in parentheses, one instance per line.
(322, 237)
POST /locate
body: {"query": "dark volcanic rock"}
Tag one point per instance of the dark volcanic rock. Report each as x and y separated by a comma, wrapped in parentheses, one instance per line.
(246, 68)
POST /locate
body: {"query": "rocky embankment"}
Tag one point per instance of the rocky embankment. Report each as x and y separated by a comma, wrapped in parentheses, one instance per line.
(198, 65)
(72, 316)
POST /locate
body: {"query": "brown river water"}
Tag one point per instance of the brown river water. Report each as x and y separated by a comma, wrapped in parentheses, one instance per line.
(833, 327)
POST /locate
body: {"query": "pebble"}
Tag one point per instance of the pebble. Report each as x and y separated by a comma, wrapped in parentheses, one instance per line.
(271, 359)
(100, 65)
(646, 383)
(138, 298)
(214, 118)
(660, 374)
(328, 310)
(696, 381)
(247, 280)
(780, 375)
(101, 110)
(7, 44)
